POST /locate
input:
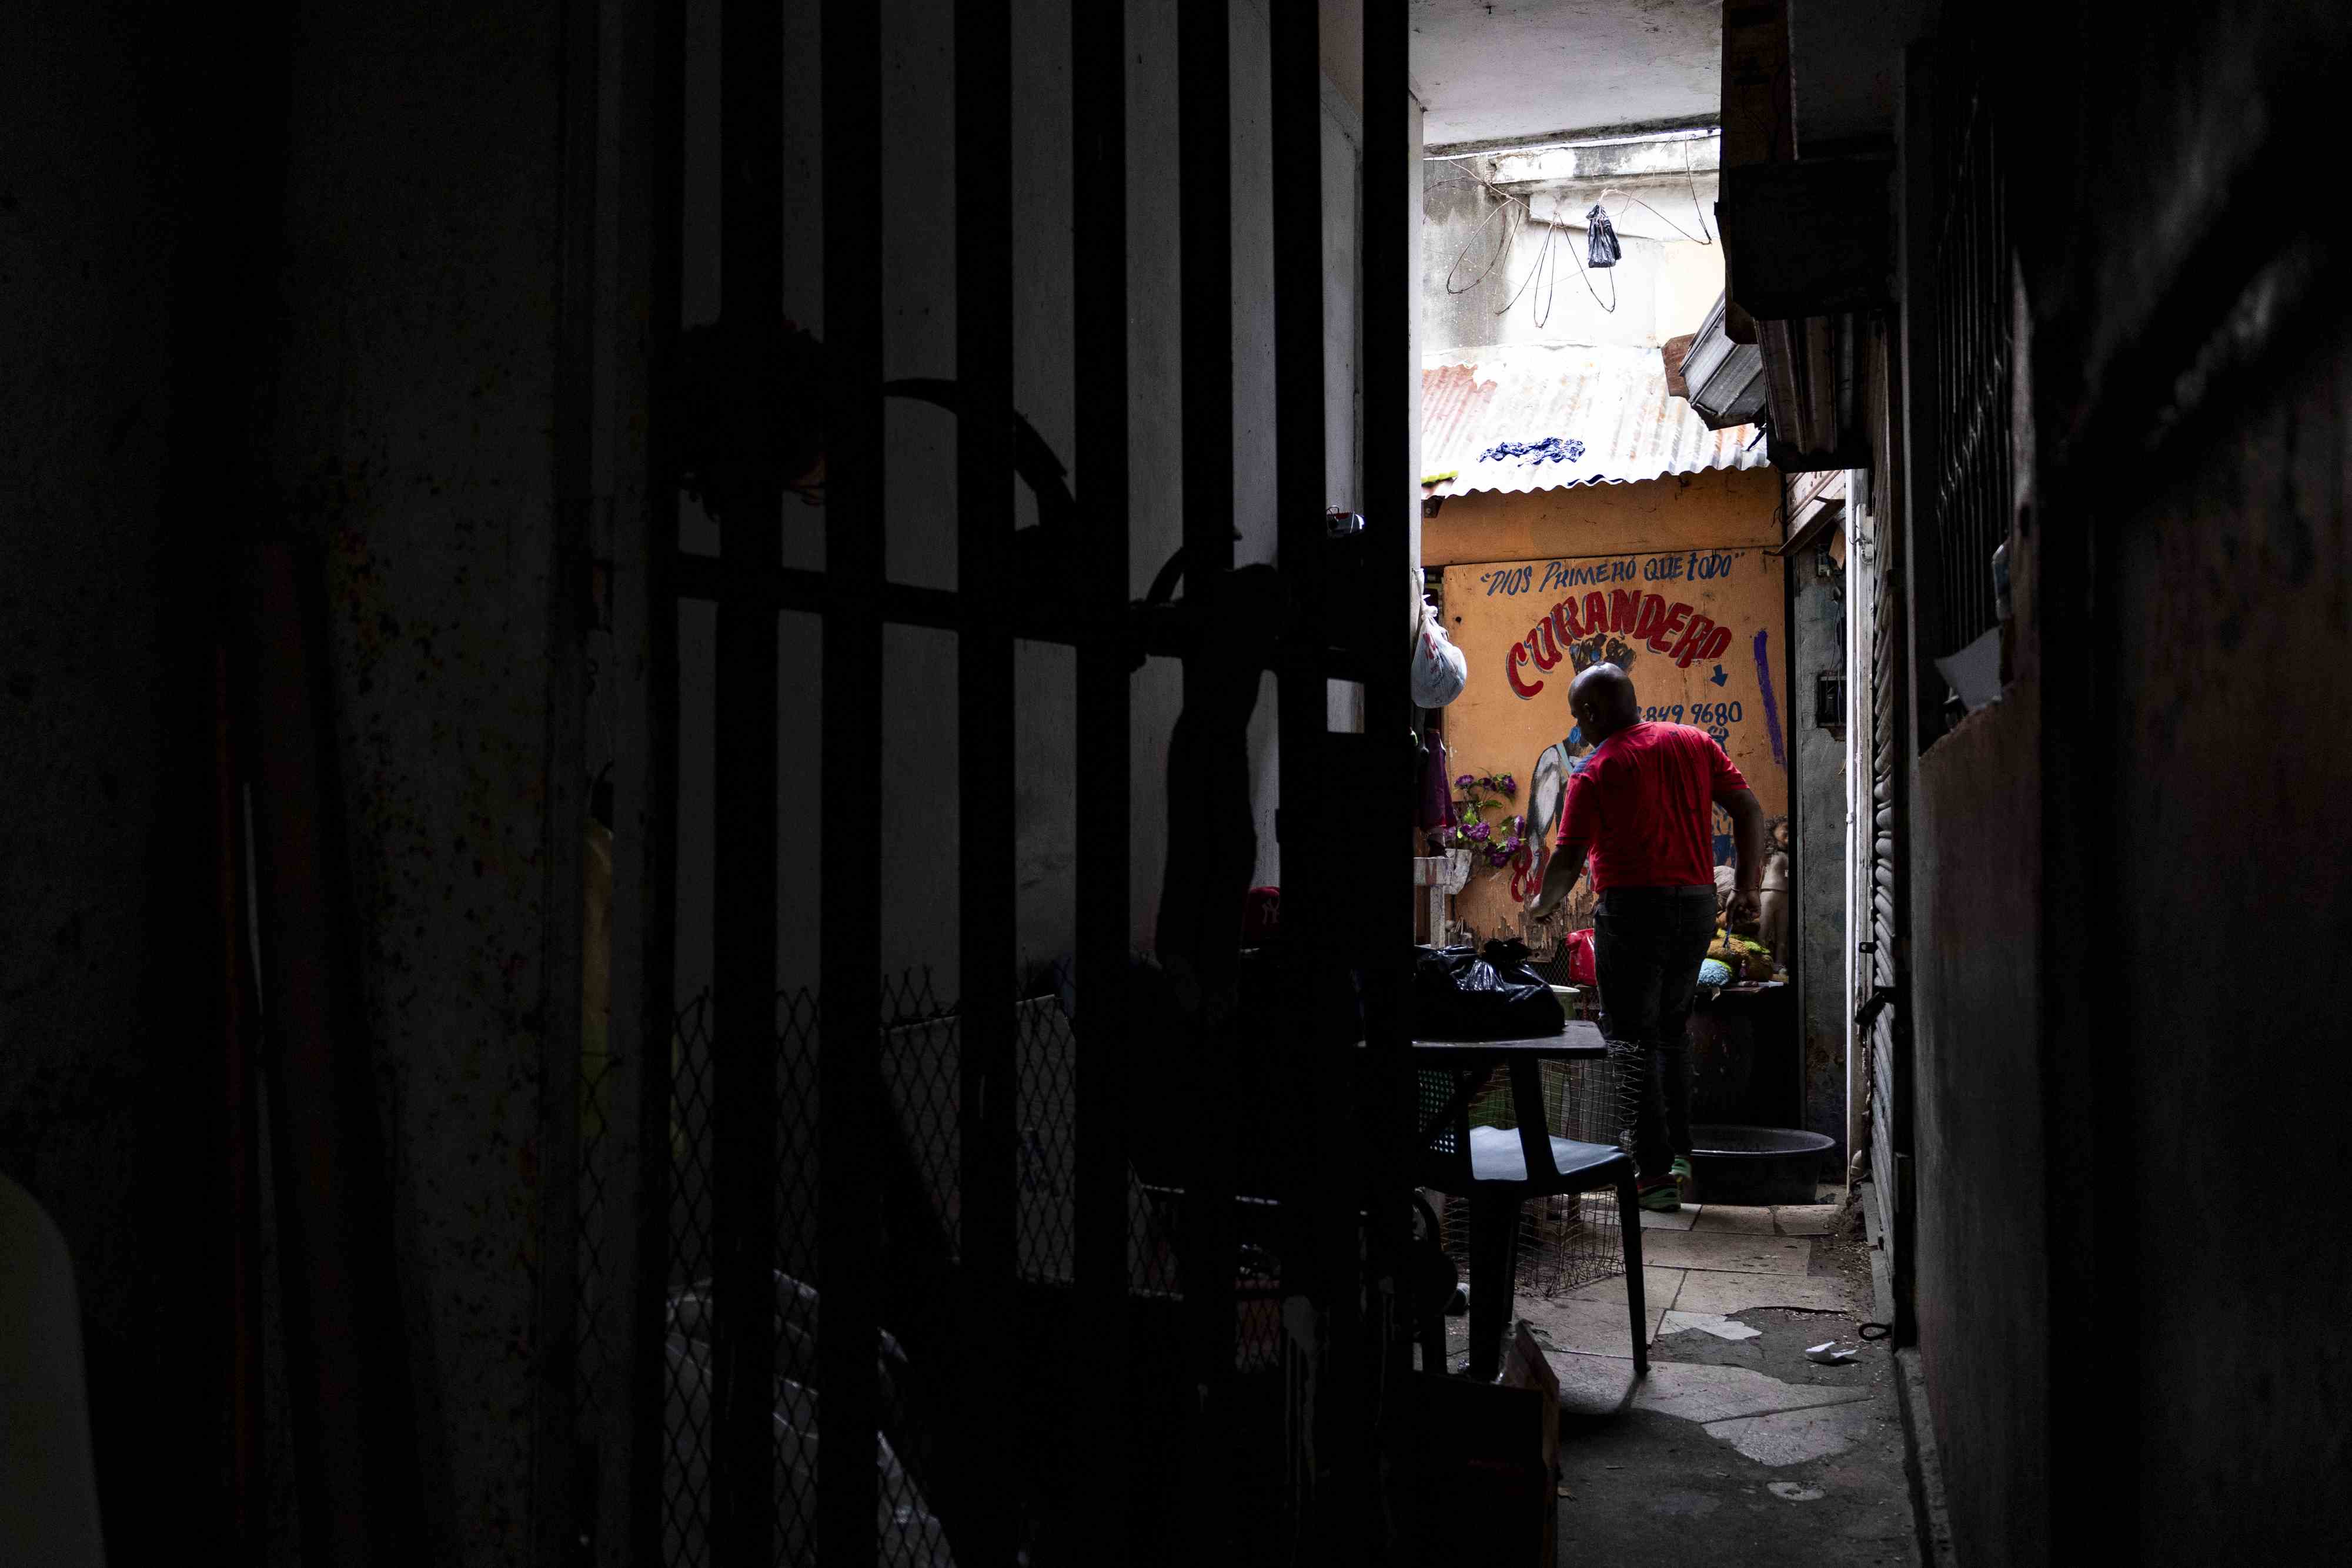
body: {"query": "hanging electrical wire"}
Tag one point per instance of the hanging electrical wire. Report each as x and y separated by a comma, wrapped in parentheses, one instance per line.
(1514, 214)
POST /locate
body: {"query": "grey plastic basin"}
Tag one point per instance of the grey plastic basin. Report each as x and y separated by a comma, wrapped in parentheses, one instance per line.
(1757, 1165)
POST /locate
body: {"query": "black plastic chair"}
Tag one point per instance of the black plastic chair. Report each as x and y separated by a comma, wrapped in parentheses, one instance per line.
(1498, 1169)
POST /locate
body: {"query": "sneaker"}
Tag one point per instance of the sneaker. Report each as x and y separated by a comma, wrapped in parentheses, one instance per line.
(1682, 1174)
(1661, 1197)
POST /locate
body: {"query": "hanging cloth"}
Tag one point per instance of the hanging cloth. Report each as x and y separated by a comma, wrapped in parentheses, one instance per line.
(1436, 787)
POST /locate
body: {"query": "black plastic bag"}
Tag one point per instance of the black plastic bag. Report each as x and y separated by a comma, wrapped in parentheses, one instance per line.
(1490, 993)
(1601, 237)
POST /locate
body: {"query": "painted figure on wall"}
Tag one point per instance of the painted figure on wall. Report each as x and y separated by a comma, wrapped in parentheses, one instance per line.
(1693, 626)
(1553, 767)
(1774, 930)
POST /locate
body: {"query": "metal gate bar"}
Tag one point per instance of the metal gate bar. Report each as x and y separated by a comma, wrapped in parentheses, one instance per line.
(986, 890)
(850, 944)
(1384, 882)
(1099, 366)
(1323, 1235)
(856, 601)
(1205, 268)
(743, 882)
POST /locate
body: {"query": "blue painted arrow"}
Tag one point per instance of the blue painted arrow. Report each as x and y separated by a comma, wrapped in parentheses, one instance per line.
(1718, 677)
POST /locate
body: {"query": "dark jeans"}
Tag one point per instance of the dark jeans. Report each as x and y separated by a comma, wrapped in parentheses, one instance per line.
(1647, 945)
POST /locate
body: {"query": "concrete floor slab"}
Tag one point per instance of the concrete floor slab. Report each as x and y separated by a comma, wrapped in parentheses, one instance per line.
(1680, 1219)
(1806, 1220)
(1659, 1287)
(1793, 1436)
(1711, 1394)
(1592, 1328)
(1593, 1387)
(1716, 1324)
(1732, 1251)
(1732, 1216)
(1775, 1348)
(1643, 1487)
(1709, 1291)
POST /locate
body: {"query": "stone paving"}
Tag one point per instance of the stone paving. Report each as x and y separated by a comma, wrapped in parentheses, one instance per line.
(1736, 1448)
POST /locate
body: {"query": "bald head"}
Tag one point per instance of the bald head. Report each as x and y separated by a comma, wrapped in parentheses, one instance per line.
(1602, 700)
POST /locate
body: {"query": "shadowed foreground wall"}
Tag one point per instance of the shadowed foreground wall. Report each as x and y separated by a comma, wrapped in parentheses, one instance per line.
(1980, 1273)
(2115, 1323)
(415, 436)
(85, 410)
(2232, 910)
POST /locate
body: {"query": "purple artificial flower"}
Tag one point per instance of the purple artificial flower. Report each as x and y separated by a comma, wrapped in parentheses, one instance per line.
(1481, 831)
(1507, 785)
(1465, 781)
(1499, 858)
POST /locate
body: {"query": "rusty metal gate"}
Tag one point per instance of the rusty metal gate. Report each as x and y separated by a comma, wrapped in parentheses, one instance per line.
(1881, 1017)
(1024, 1350)
(1926, 588)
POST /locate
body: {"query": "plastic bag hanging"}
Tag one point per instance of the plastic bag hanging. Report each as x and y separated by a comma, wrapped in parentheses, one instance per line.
(1601, 237)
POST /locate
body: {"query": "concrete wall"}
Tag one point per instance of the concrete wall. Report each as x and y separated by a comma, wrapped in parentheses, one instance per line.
(87, 258)
(402, 295)
(1479, 291)
(414, 436)
(1980, 1258)
(2225, 692)
(1728, 509)
(2128, 873)
(1817, 860)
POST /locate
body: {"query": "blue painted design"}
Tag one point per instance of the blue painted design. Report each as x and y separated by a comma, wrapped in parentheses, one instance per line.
(1550, 449)
(1718, 677)
(1771, 707)
(1723, 849)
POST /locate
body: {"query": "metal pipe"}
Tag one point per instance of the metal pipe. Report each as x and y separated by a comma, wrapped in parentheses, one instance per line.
(1099, 365)
(848, 1203)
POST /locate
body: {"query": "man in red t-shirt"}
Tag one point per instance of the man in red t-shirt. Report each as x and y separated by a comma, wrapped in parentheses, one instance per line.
(1642, 803)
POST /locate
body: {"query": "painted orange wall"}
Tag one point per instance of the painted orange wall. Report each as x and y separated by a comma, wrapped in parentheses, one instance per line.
(1722, 507)
(1512, 711)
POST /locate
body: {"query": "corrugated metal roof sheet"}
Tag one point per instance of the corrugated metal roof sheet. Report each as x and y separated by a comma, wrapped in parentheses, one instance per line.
(1613, 402)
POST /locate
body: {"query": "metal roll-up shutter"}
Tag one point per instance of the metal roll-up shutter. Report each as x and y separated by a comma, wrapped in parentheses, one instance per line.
(1880, 1002)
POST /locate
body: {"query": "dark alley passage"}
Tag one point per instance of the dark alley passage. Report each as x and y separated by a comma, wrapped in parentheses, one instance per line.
(708, 764)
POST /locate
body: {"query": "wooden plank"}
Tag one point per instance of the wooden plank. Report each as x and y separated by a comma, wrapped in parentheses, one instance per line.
(354, 1420)
(1782, 399)
(1673, 355)
(1807, 239)
(652, 134)
(582, 450)
(1759, 99)
(1820, 379)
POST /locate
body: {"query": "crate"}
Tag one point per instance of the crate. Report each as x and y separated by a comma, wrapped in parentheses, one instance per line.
(1490, 1464)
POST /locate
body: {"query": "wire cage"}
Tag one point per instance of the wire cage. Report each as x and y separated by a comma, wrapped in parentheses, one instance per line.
(1570, 1241)
(919, 1068)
